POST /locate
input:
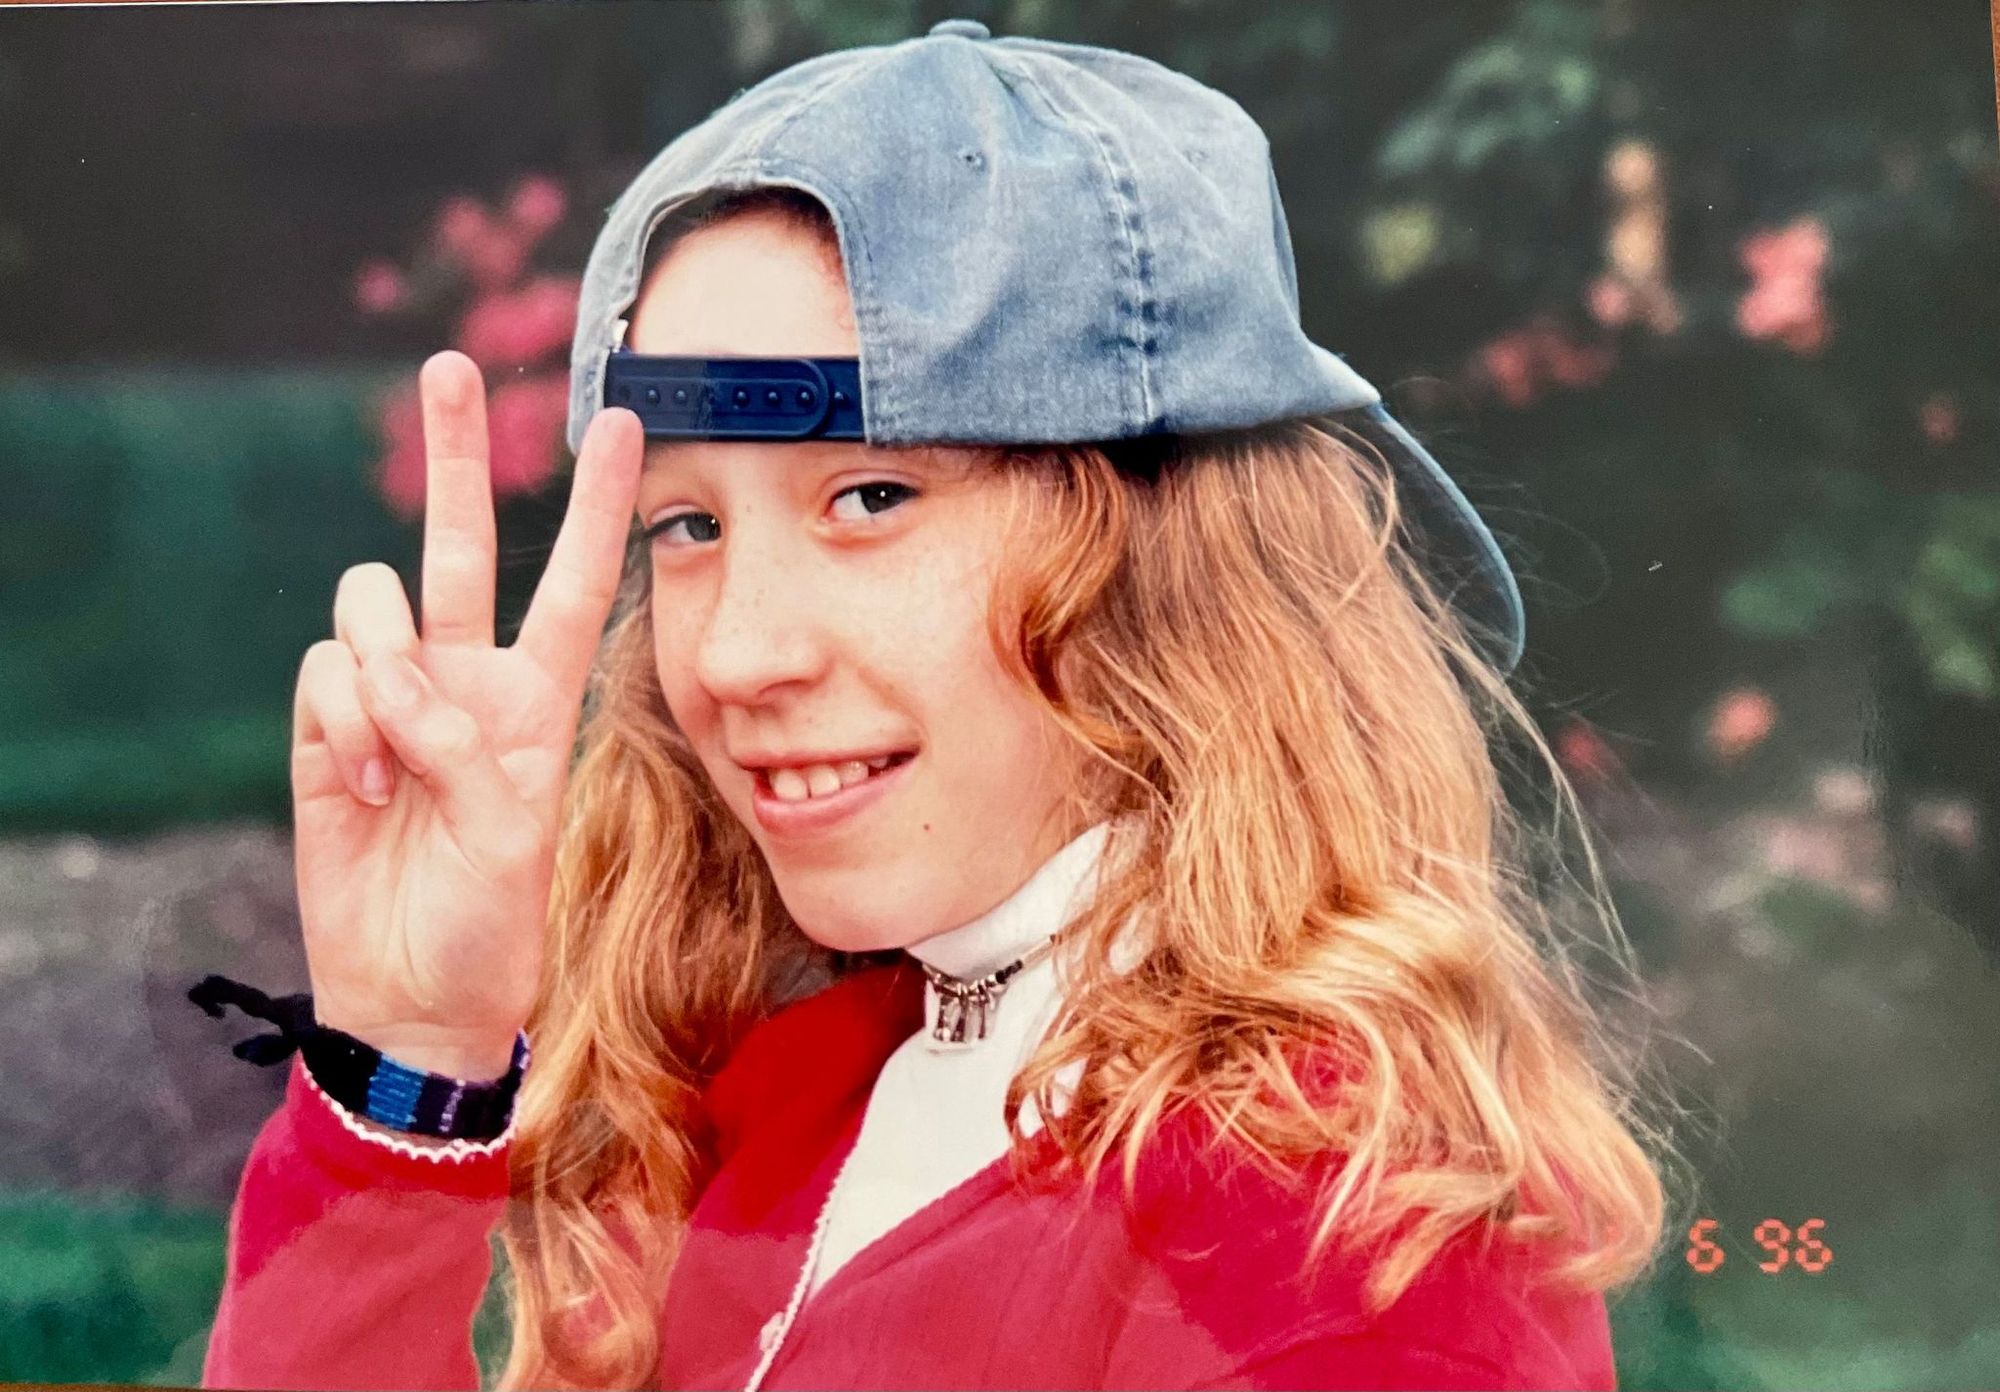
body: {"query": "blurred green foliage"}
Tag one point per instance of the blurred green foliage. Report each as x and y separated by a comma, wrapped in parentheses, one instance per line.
(168, 552)
(493, 1324)
(106, 1291)
(171, 548)
(1860, 477)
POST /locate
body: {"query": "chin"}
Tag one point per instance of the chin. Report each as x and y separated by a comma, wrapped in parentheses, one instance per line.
(847, 934)
(861, 919)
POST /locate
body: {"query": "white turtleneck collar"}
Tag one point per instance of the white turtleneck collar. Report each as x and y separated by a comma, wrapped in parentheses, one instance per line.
(1037, 910)
(934, 1116)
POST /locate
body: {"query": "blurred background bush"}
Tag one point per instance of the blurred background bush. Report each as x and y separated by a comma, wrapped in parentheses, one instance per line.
(1700, 303)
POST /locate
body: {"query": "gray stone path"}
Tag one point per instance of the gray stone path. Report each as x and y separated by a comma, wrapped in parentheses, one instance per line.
(110, 1079)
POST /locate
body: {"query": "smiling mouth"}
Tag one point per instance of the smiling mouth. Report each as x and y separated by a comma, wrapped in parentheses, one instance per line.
(795, 789)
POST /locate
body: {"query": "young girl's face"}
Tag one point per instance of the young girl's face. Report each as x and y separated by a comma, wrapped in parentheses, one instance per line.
(818, 603)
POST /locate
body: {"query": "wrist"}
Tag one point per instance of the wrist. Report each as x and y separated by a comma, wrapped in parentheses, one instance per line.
(453, 1085)
(475, 1058)
(404, 1096)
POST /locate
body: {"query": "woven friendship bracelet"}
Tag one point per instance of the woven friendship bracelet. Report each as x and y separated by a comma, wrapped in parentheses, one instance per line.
(363, 1079)
(371, 1084)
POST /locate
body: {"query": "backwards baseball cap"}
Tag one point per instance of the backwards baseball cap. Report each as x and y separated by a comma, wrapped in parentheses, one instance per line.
(1044, 243)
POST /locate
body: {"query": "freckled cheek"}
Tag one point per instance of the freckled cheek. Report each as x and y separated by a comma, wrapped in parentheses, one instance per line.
(673, 662)
(967, 698)
(889, 603)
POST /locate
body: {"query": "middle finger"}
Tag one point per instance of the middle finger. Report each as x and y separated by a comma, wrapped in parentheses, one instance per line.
(459, 547)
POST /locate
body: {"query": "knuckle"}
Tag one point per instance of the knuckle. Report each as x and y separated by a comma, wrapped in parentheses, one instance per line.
(456, 735)
(318, 669)
(450, 554)
(352, 733)
(328, 689)
(581, 589)
(516, 842)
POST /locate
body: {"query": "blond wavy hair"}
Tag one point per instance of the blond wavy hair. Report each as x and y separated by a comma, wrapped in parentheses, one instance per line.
(1306, 749)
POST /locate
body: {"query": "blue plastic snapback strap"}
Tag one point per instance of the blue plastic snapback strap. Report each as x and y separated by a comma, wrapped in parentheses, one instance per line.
(737, 398)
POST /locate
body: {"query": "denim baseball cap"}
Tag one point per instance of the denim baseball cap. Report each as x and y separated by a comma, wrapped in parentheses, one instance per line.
(1044, 243)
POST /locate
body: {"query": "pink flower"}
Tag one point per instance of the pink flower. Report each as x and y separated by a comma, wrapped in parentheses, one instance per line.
(491, 252)
(1519, 362)
(1784, 301)
(1805, 849)
(1939, 418)
(1789, 311)
(1509, 363)
(525, 420)
(1798, 249)
(519, 328)
(1844, 791)
(1570, 364)
(498, 259)
(1953, 820)
(1610, 301)
(378, 287)
(537, 205)
(460, 222)
(1584, 752)
(1740, 722)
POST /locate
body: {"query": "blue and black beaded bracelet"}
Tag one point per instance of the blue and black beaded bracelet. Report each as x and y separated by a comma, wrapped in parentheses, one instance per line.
(360, 1077)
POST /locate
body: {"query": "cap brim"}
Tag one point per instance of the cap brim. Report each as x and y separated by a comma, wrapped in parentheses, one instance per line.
(1478, 576)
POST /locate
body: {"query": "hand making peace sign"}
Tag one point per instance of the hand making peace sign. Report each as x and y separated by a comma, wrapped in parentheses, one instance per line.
(423, 898)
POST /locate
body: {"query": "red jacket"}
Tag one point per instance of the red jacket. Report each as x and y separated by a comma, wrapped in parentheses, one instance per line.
(354, 1266)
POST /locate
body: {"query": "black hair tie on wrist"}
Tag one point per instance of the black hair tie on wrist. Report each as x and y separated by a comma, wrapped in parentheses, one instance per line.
(362, 1078)
(293, 1015)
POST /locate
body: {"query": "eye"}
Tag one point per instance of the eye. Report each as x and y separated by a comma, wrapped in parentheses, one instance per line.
(701, 529)
(878, 489)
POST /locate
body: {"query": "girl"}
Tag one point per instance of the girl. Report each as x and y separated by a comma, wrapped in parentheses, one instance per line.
(1034, 902)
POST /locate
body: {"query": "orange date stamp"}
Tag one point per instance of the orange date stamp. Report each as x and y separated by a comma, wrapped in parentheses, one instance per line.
(1784, 1246)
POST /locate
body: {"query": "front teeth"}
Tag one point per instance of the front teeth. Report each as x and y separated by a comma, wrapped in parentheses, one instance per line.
(817, 780)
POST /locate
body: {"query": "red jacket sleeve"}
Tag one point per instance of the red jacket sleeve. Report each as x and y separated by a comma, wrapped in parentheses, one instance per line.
(354, 1263)
(1363, 1361)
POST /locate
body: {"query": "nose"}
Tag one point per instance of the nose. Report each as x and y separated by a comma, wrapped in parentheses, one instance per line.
(765, 623)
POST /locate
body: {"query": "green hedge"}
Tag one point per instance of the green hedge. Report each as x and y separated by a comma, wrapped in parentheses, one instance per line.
(168, 550)
(117, 1291)
(125, 1290)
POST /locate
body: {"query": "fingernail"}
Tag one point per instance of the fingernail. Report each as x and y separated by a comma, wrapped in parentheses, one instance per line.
(375, 781)
(395, 682)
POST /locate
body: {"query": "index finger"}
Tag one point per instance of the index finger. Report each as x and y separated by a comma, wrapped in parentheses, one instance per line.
(565, 620)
